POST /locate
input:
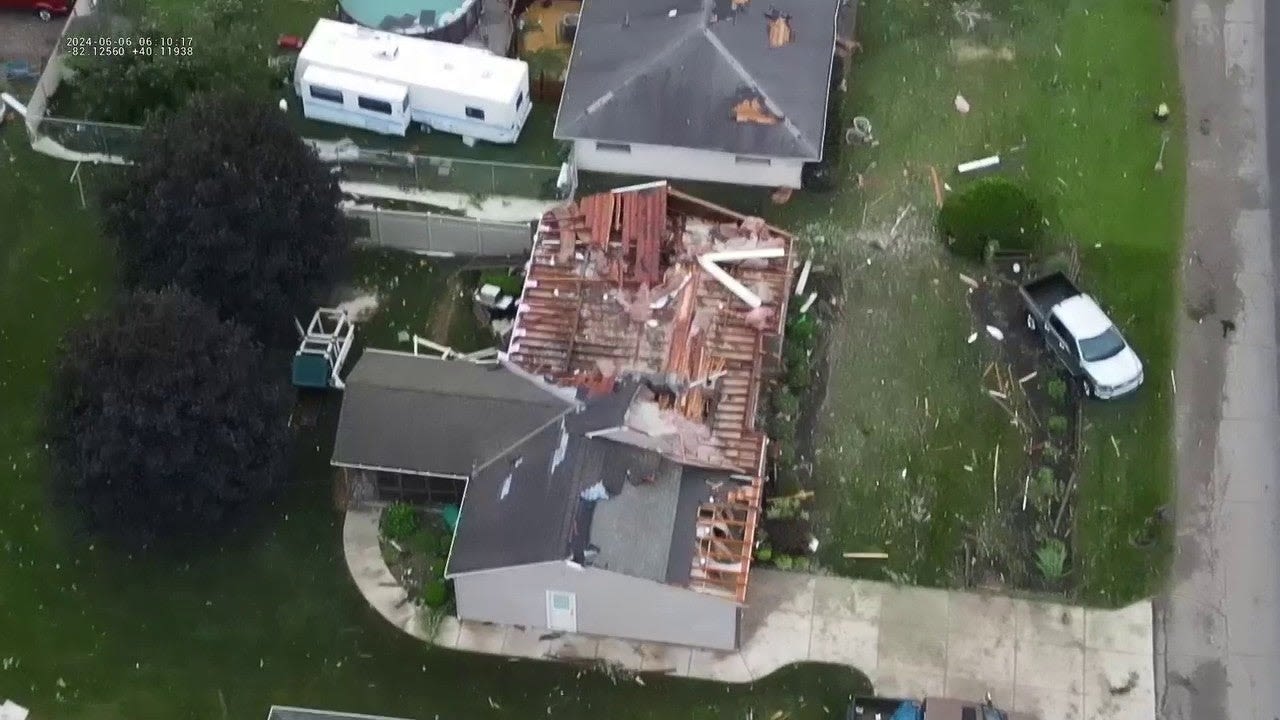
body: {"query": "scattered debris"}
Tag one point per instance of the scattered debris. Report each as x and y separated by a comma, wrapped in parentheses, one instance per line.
(972, 336)
(866, 555)
(962, 105)
(781, 196)
(1164, 140)
(1023, 380)
(751, 110)
(969, 14)
(902, 215)
(808, 303)
(995, 332)
(804, 277)
(937, 185)
(860, 131)
(968, 281)
(979, 164)
(780, 33)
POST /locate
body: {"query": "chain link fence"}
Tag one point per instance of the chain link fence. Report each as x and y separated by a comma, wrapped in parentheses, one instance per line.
(429, 233)
(441, 174)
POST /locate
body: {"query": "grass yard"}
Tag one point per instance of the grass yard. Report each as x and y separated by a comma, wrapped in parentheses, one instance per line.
(1063, 90)
(268, 616)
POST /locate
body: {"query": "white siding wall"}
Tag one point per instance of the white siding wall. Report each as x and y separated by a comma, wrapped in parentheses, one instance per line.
(608, 604)
(664, 161)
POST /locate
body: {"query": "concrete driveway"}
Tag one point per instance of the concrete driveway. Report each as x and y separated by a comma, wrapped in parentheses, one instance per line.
(23, 36)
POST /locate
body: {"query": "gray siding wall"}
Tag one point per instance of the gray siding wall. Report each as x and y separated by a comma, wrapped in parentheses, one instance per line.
(607, 604)
(672, 162)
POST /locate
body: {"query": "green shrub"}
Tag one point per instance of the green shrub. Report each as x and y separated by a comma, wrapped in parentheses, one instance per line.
(782, 562)
(764, 553)
(799, 375)
(435, 593)
(1051, 559)
(399, 521)
(1045, 485)
(786, 405)
(990, 211)
(1057, 389)
(508, 283)
(1057, 424)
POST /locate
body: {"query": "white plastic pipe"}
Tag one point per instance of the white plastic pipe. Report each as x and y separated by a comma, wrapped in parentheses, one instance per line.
(710, 260)
(985, 162)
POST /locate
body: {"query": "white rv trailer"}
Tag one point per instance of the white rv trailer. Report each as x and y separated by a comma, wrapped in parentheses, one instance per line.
(382, 82)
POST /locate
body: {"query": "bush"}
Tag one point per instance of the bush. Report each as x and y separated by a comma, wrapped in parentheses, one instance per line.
(1057, 389)
(1057, 424)
(435, 593)
(508, 283)
(786, 406)
(990, 211)
(399, 521)
(1051, 559)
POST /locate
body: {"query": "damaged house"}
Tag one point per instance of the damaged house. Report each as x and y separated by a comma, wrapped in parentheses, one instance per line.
(609, 463)
(730, 91)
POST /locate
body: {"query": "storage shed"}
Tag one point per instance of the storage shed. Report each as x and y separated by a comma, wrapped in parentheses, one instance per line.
(383, 82)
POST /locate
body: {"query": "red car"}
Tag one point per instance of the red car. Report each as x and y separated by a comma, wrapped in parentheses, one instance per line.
(44, 9)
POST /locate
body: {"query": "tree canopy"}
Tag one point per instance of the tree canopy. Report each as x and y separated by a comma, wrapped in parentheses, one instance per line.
(178, 50)
(163, 420)
(991, 210)
(228, 203)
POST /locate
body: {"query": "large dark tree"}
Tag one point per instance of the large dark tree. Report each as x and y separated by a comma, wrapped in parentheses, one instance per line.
(228, 203)
(163, 422)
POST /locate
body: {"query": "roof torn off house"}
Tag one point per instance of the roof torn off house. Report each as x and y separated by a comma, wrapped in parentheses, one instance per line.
(683, 303)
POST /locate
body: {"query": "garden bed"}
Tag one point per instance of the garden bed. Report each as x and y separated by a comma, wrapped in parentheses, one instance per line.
(1027, 543)
(415, 545)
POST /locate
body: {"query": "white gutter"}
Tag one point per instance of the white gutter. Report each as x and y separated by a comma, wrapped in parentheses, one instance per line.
(709, 263)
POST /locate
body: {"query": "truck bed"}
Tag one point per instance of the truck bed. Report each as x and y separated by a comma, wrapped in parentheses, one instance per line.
(1042, 294)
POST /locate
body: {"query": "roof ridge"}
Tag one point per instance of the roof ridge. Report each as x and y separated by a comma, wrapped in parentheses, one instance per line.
(656, 59)
(737, 66)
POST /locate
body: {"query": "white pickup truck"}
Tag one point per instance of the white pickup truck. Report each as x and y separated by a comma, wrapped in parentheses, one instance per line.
(1081, 335)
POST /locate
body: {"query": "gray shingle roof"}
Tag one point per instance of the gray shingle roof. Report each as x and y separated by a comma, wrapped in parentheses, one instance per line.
(639, 73)
(425, 415)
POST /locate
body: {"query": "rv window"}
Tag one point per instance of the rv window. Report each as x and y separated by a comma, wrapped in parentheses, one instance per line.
(519, 99)
(746, 160)
(381, 106)
(323, 93)
(613, 147)
(475, 113)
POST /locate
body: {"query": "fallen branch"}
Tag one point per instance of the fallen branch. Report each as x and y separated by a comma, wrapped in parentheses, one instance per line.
(937, 185)
(866, 555)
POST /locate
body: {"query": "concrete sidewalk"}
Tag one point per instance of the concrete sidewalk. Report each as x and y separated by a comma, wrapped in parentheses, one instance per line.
(1060, 662)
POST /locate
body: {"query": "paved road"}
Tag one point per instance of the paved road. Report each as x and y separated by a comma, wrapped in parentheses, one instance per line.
(1218, 628)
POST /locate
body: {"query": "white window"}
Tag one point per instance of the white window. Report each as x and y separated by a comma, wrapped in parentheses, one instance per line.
(320, 92)
(475, 113)
(562, 611)
(519, 99)
(613, 147)
(748, 160)
(378, 106)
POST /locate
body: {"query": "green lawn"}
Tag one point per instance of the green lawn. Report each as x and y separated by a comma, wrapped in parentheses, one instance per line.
(266, 616)
(1063, 91)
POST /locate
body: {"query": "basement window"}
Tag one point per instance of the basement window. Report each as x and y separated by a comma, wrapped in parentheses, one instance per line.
(748, 160)
(613, 147)
(475, 113)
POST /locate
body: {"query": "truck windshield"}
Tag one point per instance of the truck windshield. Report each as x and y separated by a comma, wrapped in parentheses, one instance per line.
(1106, 345)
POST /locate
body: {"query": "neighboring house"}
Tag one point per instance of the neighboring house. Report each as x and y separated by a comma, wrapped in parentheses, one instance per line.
(729, 91)
(611, 468)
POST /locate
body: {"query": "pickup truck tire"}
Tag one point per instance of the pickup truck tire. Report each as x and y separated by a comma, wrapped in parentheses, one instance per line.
(44, 14)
